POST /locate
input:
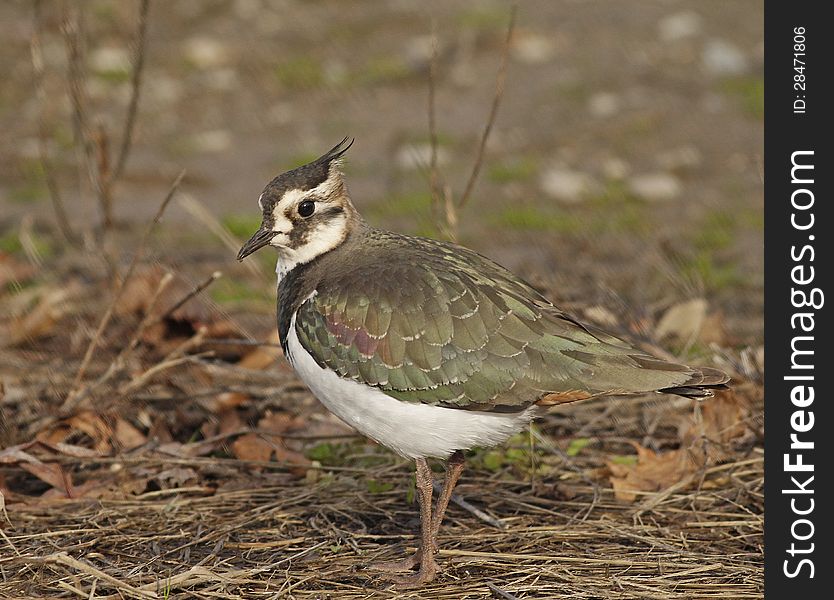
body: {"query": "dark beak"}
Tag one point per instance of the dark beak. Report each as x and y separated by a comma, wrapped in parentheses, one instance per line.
(261, 238)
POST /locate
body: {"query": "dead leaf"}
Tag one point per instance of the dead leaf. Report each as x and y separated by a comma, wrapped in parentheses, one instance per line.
(251, 446)
(41, 319)
(653, 471)
(280, 422)
(95, 427)
(159, 431)
(88, 423)
(723, 421)
(268, 442)
(127, 436)
(704, 441)
(262, 357)
(49, 473)
(172, 321)
(225, 401)
(229, 421)
(14, 270)
(176, 477)
(682, 321)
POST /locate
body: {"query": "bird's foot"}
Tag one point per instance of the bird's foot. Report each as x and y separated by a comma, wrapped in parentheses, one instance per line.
(427, 573)
(397, 566)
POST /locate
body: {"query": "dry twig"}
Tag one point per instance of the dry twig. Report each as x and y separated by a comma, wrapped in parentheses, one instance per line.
(493, 111)
(135, 87)
(442, 198)
(36, 52)
(73, 397)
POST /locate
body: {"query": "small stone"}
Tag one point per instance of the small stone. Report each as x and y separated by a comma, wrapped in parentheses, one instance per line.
(533, 48)
(679, 25)
(217, 140)
(419, 51)
(680, 158)
(655, 187)
(205, 52)
(110, 59)
(418, 156)
(615, 168)
(604, 104)
(566, 186)
(722, 59)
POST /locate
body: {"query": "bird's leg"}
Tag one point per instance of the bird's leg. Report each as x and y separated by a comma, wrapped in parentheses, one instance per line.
(425, 560)
(454, 468)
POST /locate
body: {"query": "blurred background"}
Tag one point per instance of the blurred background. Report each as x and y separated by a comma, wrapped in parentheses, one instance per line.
(623, 168)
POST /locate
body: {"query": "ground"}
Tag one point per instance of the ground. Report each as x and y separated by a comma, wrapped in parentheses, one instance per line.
(622, 177)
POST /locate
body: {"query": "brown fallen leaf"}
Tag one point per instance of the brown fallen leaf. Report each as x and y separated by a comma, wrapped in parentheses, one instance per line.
(682, 321)
(229, 421)
(173, 313)
(280, 422)
(89, 423)
(262, 357)
(127, 436)
(652, 472)
(14, 270)
(176, 477)
(252, 446)
(95, 427)
(723, 422)
(704, 442)
(225, 401)
(268, 442)
(50, 473)
(41, 319)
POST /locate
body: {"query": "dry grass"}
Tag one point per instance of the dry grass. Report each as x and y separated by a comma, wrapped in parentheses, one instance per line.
(278, 536)
(185, 519)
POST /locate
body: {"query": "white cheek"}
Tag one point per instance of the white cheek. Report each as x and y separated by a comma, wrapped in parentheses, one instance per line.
(279, 241)
(281, 224)
(261, 202)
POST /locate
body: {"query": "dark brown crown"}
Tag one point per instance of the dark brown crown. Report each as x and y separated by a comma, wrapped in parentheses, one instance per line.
(308, 176)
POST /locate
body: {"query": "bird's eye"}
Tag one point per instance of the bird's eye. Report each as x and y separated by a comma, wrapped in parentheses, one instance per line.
(306, 208)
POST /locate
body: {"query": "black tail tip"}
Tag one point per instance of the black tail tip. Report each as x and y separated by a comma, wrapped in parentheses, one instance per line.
(695, 392)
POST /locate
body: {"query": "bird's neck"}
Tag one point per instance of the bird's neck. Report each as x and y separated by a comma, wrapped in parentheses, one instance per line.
(298, 280)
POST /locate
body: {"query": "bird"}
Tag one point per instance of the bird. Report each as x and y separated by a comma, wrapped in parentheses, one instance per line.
(427, 347)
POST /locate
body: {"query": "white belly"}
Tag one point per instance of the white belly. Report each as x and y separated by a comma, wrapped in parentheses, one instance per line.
(409, 429)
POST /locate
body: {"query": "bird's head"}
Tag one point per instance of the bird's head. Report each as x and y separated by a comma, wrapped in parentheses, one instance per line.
(306, 211)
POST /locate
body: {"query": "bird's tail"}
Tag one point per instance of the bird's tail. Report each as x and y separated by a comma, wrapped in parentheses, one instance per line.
(704, 382)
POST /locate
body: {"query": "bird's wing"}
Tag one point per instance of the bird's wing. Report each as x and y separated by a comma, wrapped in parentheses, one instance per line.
(451, 328)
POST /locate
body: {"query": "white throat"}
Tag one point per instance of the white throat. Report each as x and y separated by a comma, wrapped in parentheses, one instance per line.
(322, 240)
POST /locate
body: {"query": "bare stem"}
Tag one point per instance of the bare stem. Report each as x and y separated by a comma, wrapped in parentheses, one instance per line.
(496, 102)
(43, 149)
(72, 30)
(71, 400)
(435, 185)
(195, 291)
(135, 86)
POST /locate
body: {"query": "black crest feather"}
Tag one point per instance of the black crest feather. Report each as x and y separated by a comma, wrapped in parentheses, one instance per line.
(308, 176)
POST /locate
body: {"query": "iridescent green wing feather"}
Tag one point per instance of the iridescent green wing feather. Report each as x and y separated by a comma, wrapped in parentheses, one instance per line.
(443, 325)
